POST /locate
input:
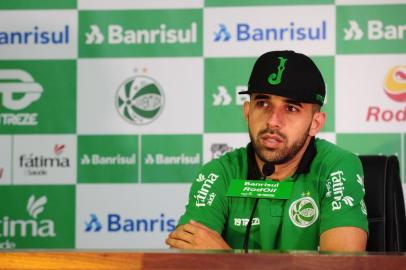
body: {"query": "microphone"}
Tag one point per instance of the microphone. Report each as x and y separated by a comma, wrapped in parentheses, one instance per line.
(267, 170)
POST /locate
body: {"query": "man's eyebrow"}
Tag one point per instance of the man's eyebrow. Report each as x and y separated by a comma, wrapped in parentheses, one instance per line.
(294, 102)
(262, 97)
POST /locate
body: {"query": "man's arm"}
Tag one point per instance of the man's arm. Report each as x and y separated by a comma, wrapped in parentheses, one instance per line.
(348, 239)
(207, 205)
(195, 235)
(344, 224)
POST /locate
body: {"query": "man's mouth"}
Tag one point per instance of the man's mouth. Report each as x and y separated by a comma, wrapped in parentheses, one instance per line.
(271, 140)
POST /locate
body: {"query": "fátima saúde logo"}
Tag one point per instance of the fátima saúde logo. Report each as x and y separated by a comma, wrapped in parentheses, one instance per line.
(139, 100)
(19, 90)
(37, 165)
(33, 226)
(395, 83)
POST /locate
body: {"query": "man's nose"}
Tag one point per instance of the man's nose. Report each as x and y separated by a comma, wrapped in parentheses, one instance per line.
(275, 118)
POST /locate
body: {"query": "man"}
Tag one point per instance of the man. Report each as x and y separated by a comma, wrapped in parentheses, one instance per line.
(325, 208)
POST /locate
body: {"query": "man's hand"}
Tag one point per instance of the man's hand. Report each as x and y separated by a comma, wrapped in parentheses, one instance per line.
(195, 235)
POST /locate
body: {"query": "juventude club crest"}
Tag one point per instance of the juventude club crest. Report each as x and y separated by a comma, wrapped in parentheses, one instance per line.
(303, 212)
(139, 100)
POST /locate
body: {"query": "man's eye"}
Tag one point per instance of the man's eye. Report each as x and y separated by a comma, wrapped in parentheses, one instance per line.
(262, 104)
(291, 108)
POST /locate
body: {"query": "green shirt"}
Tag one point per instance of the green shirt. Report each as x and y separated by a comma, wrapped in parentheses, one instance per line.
(328, 192)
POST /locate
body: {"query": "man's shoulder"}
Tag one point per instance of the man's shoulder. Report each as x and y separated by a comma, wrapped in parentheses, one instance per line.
(330, 153)
(231, 162)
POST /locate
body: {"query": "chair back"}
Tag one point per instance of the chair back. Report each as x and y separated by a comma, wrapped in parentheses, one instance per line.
(385, 204)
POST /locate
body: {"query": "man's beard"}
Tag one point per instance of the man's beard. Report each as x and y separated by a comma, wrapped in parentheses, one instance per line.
(277, 156)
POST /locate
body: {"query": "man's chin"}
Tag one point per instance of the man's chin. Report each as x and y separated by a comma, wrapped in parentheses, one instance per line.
(270, 151)
(270, 156)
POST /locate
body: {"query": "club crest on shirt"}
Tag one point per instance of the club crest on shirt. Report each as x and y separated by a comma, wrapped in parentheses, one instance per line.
(303, 212)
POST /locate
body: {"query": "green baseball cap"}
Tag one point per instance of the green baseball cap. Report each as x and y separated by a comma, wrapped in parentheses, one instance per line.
(287, 74)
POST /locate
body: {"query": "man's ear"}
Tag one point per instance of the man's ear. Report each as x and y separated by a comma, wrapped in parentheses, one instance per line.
(319, 118)
(246, 108)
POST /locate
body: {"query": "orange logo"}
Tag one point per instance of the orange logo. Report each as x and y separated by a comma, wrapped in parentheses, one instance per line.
(395, 83)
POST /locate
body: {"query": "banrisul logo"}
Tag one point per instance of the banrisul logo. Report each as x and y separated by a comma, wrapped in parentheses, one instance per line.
(35, 36)
(162, 159)
(229, 96)
(222, 34)
(96, 159)
(371, 29)
(18, 90)
(107, 158)
(95, 36)
(140, 100)
(114, 223)
(171, 158)
(375, 30)
(353, 32)
(93, 225)
(37, 165)
(244, 32)
(117, 34)
(34, 218)
(140, 33)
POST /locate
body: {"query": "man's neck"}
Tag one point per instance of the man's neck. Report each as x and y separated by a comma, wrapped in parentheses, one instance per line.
(286, 169)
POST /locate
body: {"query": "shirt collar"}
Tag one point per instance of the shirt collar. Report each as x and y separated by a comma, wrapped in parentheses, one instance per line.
(254, 172)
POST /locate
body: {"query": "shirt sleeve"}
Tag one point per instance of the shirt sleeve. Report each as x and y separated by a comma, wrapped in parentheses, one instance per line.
(343, 196)
(207, 202)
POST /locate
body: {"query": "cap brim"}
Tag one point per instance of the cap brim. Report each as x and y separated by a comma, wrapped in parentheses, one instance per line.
(244, 92)
(311, 101)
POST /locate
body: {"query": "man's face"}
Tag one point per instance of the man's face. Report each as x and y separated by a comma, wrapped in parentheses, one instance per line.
(278, 126)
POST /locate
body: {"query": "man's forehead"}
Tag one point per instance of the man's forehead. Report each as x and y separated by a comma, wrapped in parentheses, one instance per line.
(256, 96)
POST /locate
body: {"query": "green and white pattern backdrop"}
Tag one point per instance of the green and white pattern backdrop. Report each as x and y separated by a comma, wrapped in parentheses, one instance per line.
(108, 108)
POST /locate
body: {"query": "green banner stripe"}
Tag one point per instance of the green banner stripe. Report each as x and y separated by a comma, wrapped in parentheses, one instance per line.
(219, 3)
(38, 4)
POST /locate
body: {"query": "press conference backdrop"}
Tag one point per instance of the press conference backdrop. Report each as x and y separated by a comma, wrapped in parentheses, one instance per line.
(110, 107)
